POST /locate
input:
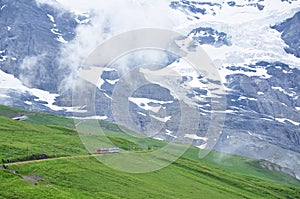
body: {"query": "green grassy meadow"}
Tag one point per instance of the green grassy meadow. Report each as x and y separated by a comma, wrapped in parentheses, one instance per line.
(79, 175)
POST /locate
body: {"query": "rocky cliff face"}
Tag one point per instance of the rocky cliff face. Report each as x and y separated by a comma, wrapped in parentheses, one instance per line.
(289, 30)
(31, 38)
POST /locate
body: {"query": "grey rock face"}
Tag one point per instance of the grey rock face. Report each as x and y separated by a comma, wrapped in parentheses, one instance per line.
(210, 36)
(268, 106)
(31, 38)
(290, 33)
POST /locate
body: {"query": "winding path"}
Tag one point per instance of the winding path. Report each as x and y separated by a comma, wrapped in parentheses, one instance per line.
(50, 159)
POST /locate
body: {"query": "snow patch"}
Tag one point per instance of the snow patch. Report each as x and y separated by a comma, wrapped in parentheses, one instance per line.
(157, 138)
(283, 120)
(10, 83)
(195, 137)
(112, 82)
(61, 39)
(55, 31)
(79, 109)
(170, 133)
(51, 18)
(292, 94)
(203, 146)
(268, 119)
(96, 117)
(165, 119)
(106, 95)
(28, 102)
(82, 18)
(252, 99)
(3, 58)
(2, 95)
(143, 103)
(59, 36)
(2, 7)
(141, 113)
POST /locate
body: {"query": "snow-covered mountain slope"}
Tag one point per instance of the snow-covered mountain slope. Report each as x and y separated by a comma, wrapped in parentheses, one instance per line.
(14, 93)
(249, 29)
(254, 44)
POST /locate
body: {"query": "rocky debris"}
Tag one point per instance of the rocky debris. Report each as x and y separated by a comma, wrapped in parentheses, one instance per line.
(274, 167)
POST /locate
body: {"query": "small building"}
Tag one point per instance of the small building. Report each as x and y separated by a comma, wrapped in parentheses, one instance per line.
(21, 118)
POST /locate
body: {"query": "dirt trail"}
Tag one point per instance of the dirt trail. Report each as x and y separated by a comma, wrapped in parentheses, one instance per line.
(50, 159)
(35, 178)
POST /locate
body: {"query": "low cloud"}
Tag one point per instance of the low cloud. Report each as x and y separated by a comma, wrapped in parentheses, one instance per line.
(109, 19)
(29, 63)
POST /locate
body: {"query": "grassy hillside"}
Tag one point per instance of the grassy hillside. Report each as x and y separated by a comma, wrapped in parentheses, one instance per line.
(216, 176)
(87, 178)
